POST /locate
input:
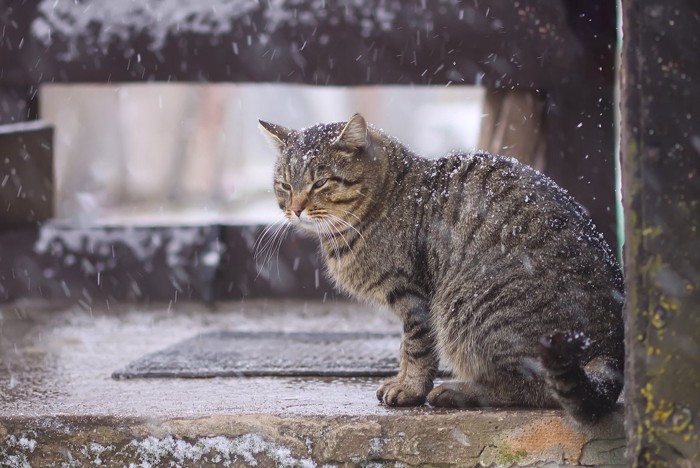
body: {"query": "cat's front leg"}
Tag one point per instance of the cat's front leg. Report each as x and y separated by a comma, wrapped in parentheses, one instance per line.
(419, 360)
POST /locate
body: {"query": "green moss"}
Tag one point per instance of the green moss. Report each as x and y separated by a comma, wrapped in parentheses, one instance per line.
(508, 457)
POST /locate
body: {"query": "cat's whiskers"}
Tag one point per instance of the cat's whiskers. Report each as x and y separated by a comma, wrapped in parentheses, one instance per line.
(366, 196)
(319, 229)
(328, 234)
(265, 238)
(332, 239)
(285, 230)
(268, 228)
(269, 243)
(333, 226)
(352, 214)
(273, 246)
(349, 225)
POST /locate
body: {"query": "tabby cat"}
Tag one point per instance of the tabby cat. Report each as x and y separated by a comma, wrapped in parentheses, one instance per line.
(488, 263)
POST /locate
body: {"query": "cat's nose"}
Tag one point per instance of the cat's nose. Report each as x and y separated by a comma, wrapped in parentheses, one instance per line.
(297, 206)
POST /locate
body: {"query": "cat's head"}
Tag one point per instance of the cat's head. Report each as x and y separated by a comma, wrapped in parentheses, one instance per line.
(324, 175)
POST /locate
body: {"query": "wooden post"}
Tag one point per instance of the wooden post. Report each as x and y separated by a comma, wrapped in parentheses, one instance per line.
(661, 193)
(26, 174)
(512, 126)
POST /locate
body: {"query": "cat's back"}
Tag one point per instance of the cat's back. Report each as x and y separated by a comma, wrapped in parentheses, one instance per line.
(508, 246)
(497, 203)
(478, 210)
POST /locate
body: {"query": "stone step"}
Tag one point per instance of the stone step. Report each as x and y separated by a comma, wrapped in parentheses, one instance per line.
(60, 406)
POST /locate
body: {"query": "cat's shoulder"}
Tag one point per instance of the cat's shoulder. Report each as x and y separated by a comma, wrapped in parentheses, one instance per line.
(506, 170)
(484, 157)
(480, 159)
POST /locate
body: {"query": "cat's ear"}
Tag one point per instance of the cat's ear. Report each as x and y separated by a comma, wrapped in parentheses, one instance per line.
(354, 135)
(276, 135)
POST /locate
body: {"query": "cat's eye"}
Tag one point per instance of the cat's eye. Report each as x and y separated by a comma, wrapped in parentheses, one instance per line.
(319, 183)
(286, 186)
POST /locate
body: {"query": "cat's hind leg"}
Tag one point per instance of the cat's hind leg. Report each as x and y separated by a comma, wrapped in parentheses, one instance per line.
(586, 391)
(456, 395)
(490, 393)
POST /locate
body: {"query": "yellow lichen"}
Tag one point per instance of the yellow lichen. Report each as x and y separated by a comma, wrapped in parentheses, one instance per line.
(652, 231)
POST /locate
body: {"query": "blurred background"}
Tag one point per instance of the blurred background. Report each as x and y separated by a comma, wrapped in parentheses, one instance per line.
(171, 153)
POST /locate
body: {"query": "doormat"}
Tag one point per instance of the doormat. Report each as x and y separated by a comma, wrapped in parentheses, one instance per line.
(255, 354)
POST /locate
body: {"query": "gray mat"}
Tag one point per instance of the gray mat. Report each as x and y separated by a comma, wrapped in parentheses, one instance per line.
(248, 354)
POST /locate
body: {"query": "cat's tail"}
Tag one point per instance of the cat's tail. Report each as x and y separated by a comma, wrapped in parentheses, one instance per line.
(586, 390)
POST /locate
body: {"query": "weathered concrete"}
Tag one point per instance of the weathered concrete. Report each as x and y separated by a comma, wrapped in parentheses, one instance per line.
(60, 406)
(410, 437)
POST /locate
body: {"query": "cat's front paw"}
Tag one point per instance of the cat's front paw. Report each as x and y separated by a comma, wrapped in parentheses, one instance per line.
(394, 392)
(384, 387)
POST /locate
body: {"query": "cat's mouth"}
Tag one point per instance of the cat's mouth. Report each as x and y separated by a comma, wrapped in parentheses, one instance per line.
(323, 224)
(304, 221)
(314, 224)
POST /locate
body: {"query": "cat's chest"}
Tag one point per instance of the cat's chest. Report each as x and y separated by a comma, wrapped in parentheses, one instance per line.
(346, 271)
(354, 274)
(367, 275)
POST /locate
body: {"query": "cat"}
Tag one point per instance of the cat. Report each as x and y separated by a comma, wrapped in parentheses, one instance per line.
(490, 266)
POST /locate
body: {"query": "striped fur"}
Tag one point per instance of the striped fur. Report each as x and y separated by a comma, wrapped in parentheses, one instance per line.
(487, 262)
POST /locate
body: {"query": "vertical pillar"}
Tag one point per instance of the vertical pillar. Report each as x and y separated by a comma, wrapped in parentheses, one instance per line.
(661, 194)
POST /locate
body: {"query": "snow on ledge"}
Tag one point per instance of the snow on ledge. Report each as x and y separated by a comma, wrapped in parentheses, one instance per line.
(90, 24)
(98, 23)
(29, 126)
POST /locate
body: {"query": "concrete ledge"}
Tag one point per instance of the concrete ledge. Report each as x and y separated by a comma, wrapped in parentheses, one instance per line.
(459, 438)
(59, 406)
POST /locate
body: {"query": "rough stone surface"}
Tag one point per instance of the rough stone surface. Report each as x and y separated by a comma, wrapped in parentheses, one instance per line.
(59, 406)
(461, 438)
(660, 152)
